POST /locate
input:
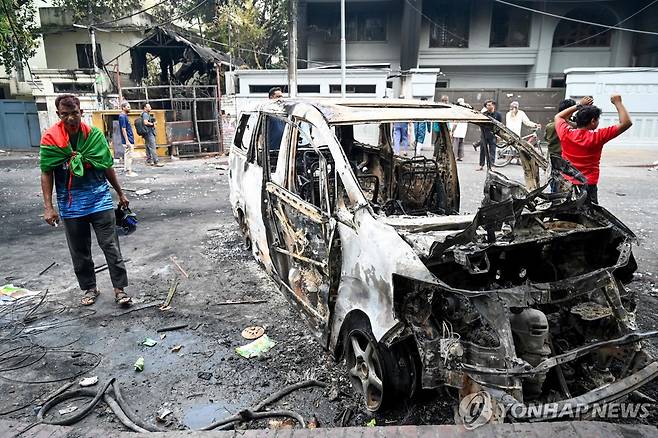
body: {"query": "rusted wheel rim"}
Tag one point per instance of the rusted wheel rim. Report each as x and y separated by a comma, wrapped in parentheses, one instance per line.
(365, 370)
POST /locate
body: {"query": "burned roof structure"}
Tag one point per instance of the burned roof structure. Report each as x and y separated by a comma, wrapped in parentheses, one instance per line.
(180, 57)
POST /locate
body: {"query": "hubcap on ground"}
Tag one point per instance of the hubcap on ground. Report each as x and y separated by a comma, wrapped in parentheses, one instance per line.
(365, 370)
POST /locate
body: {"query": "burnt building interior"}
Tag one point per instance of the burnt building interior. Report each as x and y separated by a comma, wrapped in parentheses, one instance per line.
(186, 86)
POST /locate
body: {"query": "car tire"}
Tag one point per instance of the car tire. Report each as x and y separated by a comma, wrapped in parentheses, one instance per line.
(380, 374)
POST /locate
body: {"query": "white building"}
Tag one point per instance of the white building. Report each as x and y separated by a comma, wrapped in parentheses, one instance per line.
(639, 90)
(479, 43)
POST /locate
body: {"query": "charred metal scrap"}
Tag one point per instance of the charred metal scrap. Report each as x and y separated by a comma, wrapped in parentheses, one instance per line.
(525, 299)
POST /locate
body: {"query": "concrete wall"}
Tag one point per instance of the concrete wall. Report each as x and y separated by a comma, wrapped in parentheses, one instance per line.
(639, 90)
(61, 52)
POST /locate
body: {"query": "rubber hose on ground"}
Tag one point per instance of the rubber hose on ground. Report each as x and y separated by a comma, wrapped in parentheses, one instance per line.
(68, 395)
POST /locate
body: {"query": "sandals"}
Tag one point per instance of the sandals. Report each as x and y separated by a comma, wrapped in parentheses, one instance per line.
(123, 299)
(90, 297)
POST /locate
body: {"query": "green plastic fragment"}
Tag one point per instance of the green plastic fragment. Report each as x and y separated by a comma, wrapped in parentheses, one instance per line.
(256, 348)
(371, 423)
(139, 365)
(149, 342)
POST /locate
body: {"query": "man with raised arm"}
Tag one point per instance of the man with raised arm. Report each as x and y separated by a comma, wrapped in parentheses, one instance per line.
(582, 145)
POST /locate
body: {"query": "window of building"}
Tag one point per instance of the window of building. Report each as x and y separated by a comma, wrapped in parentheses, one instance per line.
(441, 84)
(254, 89)
(354, 89)
(510, 27)
(308, 88)
(572, 34)
(363, 22)
(450, 22)
(73, 87)
(2, 93)
(559, 82)
(84, 55)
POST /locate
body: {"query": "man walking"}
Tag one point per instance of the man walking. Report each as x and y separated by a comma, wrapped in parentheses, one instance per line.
(458, 133)
(516, 118)
(127, 139)
(76, 159)
(149, 139)
(551, 137)
(582, 145)
(488, 137)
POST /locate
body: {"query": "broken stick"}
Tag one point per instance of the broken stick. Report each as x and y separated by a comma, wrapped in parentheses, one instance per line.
(171, 328)
(179, 267)
(170, 295)
(49, 266)
(227, 303)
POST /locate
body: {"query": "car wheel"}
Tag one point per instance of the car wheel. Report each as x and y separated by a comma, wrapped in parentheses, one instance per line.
(379, 374)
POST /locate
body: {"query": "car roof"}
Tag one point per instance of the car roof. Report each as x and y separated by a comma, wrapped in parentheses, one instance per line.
(344, 111)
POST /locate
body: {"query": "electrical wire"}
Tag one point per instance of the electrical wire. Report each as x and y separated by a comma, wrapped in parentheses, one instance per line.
(441, 26)
(203, 2)
(131, 15)
(561, 17)
(608, 30)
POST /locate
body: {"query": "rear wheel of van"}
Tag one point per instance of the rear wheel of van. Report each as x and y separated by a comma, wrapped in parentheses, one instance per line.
(380, 374)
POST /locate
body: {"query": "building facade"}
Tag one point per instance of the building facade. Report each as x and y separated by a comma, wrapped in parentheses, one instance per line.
(479, 43)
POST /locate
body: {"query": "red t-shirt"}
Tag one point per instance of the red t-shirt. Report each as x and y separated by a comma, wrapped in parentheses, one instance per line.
(583, 148)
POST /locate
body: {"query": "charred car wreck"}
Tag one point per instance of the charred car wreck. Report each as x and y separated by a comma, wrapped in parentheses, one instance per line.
(524, 300)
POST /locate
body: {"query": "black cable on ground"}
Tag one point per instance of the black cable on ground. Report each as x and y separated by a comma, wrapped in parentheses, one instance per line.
(67, 395)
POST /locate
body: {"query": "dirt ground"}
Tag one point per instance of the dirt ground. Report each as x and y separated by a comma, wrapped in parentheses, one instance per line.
(187, 216)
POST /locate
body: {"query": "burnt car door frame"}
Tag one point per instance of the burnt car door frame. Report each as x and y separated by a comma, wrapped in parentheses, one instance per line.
(293, 225)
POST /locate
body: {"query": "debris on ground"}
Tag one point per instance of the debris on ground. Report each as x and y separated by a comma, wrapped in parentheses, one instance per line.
(9, 293)
(203, 375)
(148, 342)
(89, 381)
(171, 328)
(371, 423)
(68, 410)
(170, 295)
(180, 268)
(256, 348)
(286, 423)
(139, 364)
(176, 348)
(253, 332)
(162, 415)
(46, 269)
(142, 191)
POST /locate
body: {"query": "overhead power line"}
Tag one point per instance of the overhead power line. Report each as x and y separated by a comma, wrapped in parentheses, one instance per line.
(182, 15)
(561, 17)
(131, 15)
(608, 30)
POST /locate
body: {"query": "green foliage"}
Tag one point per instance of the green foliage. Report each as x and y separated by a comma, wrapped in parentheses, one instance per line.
(258, 29)
(18, 32)
(96, 11)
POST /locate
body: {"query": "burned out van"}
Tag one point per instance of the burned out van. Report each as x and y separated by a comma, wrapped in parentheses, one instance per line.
(523, 302)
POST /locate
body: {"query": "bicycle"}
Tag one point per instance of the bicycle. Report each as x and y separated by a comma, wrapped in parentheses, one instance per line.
(505, 153)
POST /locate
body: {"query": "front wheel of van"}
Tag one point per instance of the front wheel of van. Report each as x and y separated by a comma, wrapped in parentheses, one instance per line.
(380, 374)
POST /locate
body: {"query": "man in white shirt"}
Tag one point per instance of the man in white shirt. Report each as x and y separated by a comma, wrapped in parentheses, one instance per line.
(458, 133)
(516, 118)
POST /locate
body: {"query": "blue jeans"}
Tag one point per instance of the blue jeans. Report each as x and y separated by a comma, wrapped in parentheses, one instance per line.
(400, 137)
(151, 149)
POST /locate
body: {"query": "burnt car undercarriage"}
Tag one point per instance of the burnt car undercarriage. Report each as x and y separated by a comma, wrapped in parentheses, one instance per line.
(530, 304)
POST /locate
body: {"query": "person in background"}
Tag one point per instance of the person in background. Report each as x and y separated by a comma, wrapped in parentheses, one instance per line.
(275, 127)
(127, 139)
(458, 133)
(582, 145)
(488, 138)
(551, 137)
(149, 139)
(445, 99)
(515, 118)
(76, 159)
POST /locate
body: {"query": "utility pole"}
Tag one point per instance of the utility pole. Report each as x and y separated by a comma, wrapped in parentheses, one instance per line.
(343, 50)
(92, 35)
(292, 49)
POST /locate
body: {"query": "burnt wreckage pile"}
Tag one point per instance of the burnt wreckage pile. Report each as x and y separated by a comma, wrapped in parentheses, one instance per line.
(523, 301)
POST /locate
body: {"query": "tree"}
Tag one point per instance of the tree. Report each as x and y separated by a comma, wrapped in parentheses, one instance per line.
(258, 29)
(97, 11)
(18, 32)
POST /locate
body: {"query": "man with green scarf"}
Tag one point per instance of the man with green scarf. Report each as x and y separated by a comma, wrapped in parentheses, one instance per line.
(76, 159)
